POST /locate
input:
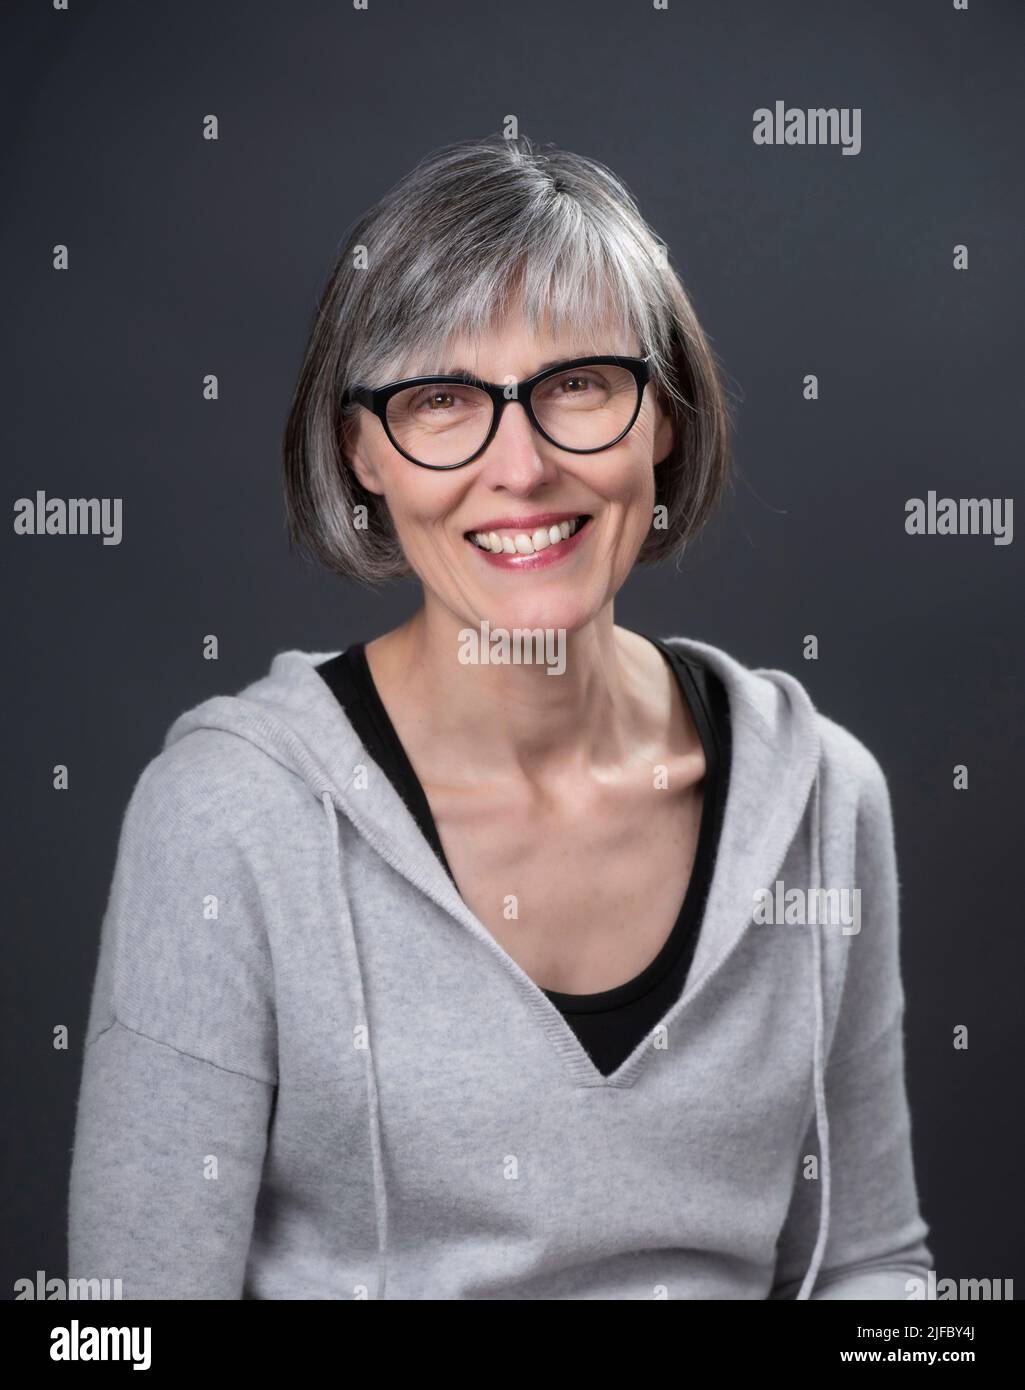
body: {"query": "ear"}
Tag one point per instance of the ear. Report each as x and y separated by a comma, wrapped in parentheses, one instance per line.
(664, 433)
(354, 447)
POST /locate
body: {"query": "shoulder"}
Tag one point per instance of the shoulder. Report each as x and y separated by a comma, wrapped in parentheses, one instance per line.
(185, 930)
(851, 760)
(211, 784)
(776, 706)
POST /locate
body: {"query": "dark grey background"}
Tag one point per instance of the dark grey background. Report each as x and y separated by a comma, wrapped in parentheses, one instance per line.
(189, 257)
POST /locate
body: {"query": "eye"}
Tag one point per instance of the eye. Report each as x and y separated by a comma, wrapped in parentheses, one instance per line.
(575, 387)
(438, 399)
(444, 400)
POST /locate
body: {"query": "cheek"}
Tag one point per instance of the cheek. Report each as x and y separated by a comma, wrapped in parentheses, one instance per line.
(633, 487)
(637, 469)
(631, 494)
(418, 501)
(420, 512)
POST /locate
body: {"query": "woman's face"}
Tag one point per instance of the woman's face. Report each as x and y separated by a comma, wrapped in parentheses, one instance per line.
(520, 483)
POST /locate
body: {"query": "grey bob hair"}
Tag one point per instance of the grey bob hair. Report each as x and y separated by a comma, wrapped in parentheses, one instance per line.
(476, 229)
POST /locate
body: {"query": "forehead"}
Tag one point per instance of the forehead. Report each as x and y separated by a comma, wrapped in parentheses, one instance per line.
(514, 352)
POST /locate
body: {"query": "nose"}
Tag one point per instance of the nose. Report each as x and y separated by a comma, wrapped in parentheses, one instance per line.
(517, 459)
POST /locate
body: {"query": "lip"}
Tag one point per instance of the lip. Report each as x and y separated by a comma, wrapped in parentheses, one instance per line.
(541, 559)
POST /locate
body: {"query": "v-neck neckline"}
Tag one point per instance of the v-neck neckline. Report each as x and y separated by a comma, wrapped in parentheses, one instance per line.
(433, 880)
(435, 884)
(367, 691)
(352, 681)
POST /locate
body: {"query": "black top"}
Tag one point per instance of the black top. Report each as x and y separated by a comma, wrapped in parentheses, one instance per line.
(611, 1023)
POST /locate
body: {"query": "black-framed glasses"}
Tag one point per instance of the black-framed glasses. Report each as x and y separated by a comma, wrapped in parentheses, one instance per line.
(583, 405)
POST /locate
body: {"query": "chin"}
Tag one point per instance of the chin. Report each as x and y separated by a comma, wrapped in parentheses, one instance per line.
(559, 611)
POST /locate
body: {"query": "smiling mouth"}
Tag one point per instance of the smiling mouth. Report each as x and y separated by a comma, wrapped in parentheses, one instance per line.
(511, 542)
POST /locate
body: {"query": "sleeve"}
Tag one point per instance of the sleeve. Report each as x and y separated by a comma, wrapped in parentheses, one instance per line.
(179, 1065)
(877, 1237)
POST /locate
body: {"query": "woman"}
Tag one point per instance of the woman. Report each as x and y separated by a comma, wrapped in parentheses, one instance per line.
(512, 954)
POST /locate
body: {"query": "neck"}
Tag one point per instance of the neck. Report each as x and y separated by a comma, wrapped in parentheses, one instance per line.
(516, 720)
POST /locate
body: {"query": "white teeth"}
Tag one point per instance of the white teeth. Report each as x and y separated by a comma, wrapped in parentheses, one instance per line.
(524, 543)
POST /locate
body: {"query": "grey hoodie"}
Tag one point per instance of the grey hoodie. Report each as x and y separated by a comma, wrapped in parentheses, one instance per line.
(311, 1072)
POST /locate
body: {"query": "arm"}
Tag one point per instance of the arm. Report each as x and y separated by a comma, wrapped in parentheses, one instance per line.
(179, 1071)
(876, 1232)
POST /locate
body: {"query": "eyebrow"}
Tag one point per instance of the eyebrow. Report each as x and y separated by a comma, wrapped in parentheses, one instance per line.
(542, 367)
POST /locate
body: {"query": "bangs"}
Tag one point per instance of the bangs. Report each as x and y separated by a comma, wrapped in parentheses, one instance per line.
(575, 286)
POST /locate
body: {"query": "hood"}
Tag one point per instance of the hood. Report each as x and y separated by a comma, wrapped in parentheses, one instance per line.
(774, 791)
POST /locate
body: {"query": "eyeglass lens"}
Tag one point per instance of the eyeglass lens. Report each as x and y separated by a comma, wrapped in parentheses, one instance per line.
(582, 408)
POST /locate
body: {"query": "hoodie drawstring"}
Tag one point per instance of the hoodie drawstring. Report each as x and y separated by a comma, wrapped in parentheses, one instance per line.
(818, 1066)
(370, 1075)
